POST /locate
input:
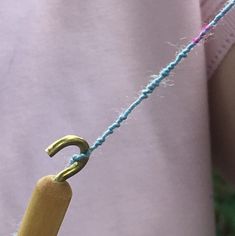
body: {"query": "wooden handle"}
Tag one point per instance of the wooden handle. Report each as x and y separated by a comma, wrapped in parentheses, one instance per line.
(47, 207)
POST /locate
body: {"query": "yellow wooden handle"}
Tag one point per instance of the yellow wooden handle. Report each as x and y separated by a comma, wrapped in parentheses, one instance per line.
(47, 207)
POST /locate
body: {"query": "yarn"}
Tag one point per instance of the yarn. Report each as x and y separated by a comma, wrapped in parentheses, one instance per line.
(153, 84)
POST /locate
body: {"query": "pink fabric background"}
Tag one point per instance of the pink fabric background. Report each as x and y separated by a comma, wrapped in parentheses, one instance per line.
(222, 38)
(70, 67)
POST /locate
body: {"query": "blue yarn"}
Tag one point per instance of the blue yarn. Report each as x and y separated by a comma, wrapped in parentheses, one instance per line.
(148, 90)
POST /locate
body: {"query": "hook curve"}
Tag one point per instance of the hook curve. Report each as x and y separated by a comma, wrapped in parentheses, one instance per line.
(63, 142)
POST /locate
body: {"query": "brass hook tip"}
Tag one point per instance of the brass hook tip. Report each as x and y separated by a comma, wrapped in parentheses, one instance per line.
(65, 142)
(49, 152)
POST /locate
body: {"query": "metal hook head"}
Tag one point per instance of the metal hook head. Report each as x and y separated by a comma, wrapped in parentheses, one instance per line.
(65, 142)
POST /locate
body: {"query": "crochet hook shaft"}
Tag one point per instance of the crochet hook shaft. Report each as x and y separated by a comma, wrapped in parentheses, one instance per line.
(47, 207)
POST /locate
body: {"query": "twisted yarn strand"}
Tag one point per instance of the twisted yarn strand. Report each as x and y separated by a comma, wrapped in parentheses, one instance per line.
(148, 90)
